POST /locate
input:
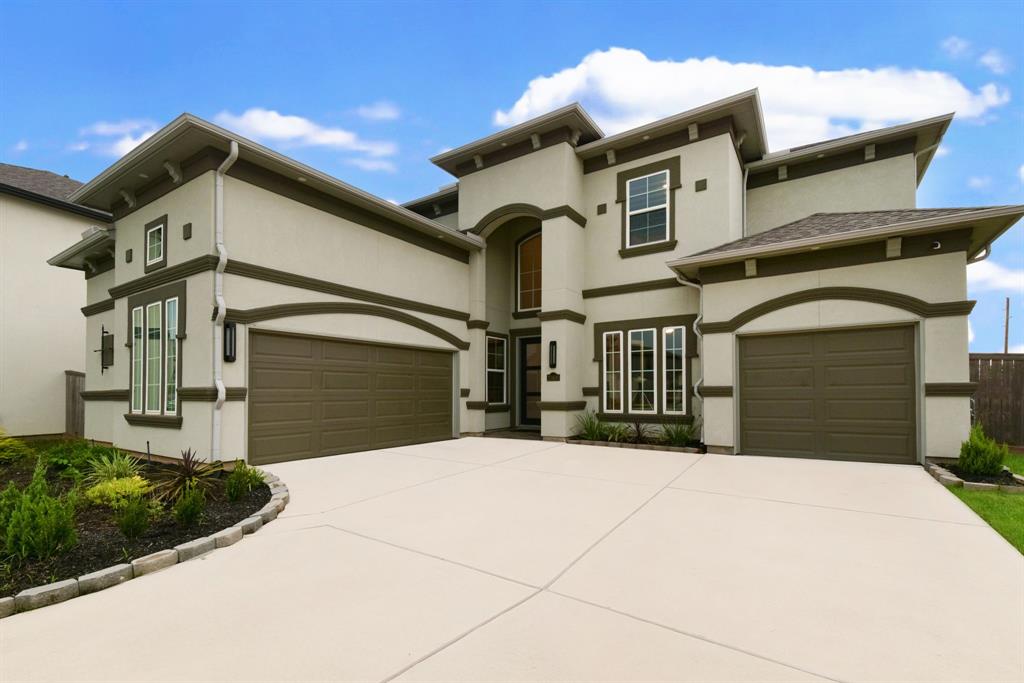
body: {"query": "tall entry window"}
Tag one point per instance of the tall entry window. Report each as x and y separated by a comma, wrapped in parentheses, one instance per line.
(528, 277)
(613, 372)
(156, 326)
(642, 371)
(674, 380)
(496, 361)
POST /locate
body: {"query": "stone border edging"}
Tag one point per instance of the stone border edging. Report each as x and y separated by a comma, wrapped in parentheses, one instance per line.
(50, 594)
(641, 446)
(950, 480)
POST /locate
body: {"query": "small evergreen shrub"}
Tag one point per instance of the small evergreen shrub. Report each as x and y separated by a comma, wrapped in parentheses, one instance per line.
(116, 493)
(980, 455)
(110, 466)
(189, 507)
(9, 499)
(242, 481)
(590, 428)
(134, 516)
(12, 449)
(678, 434)
(38, 525)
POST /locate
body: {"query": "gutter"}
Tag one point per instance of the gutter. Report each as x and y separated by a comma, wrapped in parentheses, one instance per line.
(218, 296)
(700, 344)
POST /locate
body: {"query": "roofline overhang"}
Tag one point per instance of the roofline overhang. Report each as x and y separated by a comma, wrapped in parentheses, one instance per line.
(689, 264)
(92, 239)
(628, 137)
(55, 203)
(444, 193)
(256, 151)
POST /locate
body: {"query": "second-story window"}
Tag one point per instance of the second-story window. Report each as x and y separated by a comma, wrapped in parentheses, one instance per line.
(528, 265)
(155, 245)
(647, 210)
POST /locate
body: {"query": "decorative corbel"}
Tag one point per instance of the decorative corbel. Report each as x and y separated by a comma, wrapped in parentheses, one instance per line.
(535, 139)
(692, 131)
(576, 135)
(750, 267)
(128, 196)
(437, 209)
(478, 160)
(610, 156)
(173, 170)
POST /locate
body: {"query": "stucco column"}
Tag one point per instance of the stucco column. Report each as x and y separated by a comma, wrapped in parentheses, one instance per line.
(562, 322)
(471, 368)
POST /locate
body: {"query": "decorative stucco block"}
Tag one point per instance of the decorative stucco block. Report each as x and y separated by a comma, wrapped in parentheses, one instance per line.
(977, 486)
(192, 549)
(161, 559)
(41, 596)
(7, 607)
(105, 578)
(250, 524)
(226, 537)
(950, 480)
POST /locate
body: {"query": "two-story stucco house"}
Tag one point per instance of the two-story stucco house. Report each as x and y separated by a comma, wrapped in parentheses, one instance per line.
(42, 334)
(798, 303)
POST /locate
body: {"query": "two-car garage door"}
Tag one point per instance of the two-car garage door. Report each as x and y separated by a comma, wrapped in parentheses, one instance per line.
(840, 394)
(310, 396)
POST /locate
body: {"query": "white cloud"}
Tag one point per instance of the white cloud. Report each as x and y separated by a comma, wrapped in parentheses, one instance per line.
(373, 164)
(976, 182)
(127, 143)
(269, 125)
(942, 151)
(112, 128)
(970, 333)
(128, 134)
(955, 46)
(19, 146)
(991, 276)
(379, 111)
(78, 146)
(1020, 172)
(623, 88)
(995, 61)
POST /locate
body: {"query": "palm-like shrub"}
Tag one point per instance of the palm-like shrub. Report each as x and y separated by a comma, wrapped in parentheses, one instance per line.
(110, 466)
(188, 473)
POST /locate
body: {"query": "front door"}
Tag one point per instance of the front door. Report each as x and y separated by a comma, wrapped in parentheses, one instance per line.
(529, 381)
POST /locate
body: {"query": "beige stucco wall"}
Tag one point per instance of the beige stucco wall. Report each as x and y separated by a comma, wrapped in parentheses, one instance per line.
(877, 185)
(42, 330)
(942, 342)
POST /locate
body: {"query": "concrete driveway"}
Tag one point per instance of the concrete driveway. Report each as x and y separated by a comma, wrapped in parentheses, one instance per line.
(490, 559)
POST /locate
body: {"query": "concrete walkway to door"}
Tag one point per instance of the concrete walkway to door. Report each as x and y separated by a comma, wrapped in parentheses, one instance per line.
(509, 560)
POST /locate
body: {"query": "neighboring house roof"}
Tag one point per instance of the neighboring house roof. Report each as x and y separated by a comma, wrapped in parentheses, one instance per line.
(838, 229)
(44, 187)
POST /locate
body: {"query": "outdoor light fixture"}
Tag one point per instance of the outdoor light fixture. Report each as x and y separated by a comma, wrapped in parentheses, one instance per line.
(230, 339)
(552, 354)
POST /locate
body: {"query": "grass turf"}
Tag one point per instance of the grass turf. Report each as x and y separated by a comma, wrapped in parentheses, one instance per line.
(1003, 511)
(1015, 461)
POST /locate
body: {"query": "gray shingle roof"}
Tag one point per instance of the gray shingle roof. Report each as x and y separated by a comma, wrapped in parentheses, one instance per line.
(828, 224)
(41, 182)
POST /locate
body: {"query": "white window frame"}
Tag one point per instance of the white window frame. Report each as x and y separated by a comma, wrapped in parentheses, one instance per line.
(654, 373)
(519, 272)
(503, 371)
(167, 356)
(163, 236)
(666, 205)
(664, 370)
(146, 359)
(604, 373)
(138, 370)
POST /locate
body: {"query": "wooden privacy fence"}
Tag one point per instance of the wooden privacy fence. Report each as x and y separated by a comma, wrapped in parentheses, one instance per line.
(74, 406)
(999, 400)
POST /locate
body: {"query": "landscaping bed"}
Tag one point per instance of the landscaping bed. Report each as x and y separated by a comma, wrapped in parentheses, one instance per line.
(65, 513)
(673, 436)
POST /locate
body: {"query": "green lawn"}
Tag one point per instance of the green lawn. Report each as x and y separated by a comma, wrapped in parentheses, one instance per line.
(1015, 461)
(1003, 511)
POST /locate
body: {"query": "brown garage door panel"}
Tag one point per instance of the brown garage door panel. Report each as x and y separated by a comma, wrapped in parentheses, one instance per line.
(310, 397)
(839, 394)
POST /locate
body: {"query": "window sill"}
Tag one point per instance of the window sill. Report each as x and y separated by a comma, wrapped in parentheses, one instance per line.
(645, 249)
(496, 408)
(164, 421)
(645, 419)
(520, 315)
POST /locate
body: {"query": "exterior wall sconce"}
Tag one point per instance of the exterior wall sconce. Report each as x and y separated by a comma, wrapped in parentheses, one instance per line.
(552, 354)
(230, 342)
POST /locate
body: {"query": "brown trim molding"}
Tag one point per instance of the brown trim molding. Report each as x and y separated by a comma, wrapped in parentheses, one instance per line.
(253, 315)
(562, 314)
(877, 296)
(562, 405)
(464, 393)
(105, 395)
(199, 264)
(510, 152)
(646, 249)
(645, 418)
(210, 393)
(631, 288)
(883, 150)
(162, 263)
(529, 210)
(476, 405)
(523, 315)
(54, 203)
(672, 165)
(477, 324)
(711, 391)
(950, 388)
(281, 277)
(914, 246)
(497, 408)
(98, 307)
(164, 421)
(206, 159)
(591, 391)
(624, 326)
(657, 145)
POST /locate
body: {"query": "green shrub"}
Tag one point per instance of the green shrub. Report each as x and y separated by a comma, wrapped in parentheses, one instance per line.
(980, 455)
(189, 472)
(616, 432)
(9, 499)
(115, 493)
(678, 434)
(134, 516)
(113, 465)
(639, 432)
(242, 481)
(70, 458)
(38, 525)
(189, 507)
(590, 428)
(12, 449)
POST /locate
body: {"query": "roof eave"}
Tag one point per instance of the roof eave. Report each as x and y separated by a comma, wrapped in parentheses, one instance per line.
(89, 243)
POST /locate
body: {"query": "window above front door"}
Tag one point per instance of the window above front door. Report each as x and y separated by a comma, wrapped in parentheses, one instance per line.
(528, 273)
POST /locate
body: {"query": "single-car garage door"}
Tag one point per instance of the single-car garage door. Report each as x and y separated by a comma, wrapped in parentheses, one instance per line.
(838, 394)
(310, 396)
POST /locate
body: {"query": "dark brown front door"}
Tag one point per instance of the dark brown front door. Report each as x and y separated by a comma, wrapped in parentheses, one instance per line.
(529, 381)
(310, 396)
(837, 394)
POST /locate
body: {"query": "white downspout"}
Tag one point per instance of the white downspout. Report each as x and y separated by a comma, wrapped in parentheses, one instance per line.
(218, 296)
(700, 345)
(746, 172)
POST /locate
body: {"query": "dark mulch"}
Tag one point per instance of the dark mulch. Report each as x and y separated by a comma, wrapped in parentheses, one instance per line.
(101, 544)
(1004, 478)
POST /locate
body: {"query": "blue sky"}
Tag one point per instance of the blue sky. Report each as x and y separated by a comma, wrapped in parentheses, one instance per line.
(368, 91)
